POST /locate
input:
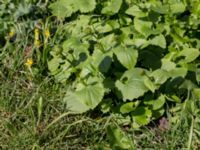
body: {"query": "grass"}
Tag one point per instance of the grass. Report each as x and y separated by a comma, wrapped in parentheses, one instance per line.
(22, 126)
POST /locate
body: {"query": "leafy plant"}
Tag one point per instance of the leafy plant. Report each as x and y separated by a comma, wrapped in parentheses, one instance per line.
(129, 56)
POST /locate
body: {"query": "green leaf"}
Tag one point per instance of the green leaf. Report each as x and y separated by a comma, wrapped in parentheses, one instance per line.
(118, 139)
(86, 5)
(126, 56)
(167, 65)
(150, 85)
(190, 54)
(177, 8)
(189, 85)
(108, 42)
(160, 8)
(86, 98)
(197, 71)
(141, 116)
(131, 84)
(54, 64)
(101, 60)
(143, 27)
(108, 26)
(158, 41)
(112, 7)
(156, 104)
(135, 11)
(178, 72)
(63, 8)
(129, 107)
(106, 105)
(196, 93)
(157, 113)
(160, 76)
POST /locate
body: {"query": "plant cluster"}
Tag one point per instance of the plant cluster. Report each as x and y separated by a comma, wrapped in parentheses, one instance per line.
(127, 57)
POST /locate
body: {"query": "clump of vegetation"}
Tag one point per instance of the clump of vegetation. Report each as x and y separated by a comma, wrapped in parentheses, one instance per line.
(111, 74)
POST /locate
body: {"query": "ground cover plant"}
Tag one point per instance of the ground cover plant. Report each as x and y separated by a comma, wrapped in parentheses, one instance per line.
(100, 74)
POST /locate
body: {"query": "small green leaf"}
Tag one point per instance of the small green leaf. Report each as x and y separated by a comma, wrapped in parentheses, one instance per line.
(143, 27)
(86, 5)
(190, 54)
(54, 64)
(63, 8)
(155, 104)
(118, 139)
(178, 72)
(112, 7)
(129, 107)
(198, 75)
(177, 8)
(160, 76)
(126, 56)
(157, 113)
(168, 65)
(160, 8)
(158, 41)
(135, 11)
(106, 105)
(196, 92)
(189, 85)
(150, 85)
(141, 116)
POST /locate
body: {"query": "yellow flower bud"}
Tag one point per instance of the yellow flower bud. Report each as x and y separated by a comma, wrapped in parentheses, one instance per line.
(29, 62)
(47, 33)
(11, 33)
(36, 31)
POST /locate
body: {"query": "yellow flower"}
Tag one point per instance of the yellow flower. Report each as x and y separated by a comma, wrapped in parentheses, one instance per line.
(11, 33)
(29, 62)
(36, 31)
(37, 42)
(47, 33)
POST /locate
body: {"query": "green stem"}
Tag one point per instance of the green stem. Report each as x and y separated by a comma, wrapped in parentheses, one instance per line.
(190, 135)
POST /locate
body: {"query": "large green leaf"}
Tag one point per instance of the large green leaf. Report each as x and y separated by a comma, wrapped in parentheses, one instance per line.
(112, 7)
(126, 56)
(131, 84)
(86, 98)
